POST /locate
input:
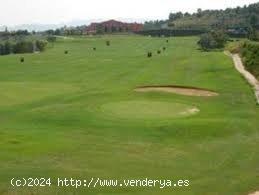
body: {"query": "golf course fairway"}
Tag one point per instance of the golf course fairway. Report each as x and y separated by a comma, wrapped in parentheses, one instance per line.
(77, 115)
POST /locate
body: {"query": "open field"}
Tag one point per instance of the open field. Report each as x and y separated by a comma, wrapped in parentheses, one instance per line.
(78, 115)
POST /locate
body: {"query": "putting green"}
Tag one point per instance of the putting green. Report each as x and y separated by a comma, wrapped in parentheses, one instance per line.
(148, 110)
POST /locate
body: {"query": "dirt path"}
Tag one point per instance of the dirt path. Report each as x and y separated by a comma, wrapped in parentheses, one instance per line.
(248, 76)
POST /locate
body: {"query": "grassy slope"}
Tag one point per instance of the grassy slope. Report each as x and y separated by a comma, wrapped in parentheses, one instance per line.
(51, 124)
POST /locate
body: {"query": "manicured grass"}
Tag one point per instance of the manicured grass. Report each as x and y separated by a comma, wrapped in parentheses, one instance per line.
(53, 123)
(146, 110)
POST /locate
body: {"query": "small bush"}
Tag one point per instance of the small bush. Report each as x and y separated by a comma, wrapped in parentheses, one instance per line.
(149, 54)
(158, 51)
(21, 59)
(164, 48)
(41, 45)
(94, 48)
(167, 41)
(108, 43)
(66, 52)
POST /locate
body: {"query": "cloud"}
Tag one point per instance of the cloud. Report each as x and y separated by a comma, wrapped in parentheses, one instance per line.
(15, 12)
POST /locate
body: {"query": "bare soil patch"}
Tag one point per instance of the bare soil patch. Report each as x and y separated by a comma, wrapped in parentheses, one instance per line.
(182, 90)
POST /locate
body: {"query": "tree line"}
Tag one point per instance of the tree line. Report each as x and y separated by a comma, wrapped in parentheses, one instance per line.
(23, 42)
(8, 47)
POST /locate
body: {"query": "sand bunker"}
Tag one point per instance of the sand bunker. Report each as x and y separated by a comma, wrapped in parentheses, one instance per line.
(255, 193)
(182, 90)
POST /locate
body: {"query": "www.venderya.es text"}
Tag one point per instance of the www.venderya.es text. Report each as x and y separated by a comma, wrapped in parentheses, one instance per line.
(98, 182)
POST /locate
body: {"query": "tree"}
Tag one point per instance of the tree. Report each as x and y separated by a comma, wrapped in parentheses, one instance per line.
(1, 49)
(51, 39)
(50, 32)
(23, 47)
(21, 33)
(175, 16)
(229, 18)
(186, 14)
(113, 29)
(213, 40)
(220, 37)
(252, 34)
(41, 45)
(253, 20)
(57, 32)
(207, 42)
(105, 29)
(199, 13)
(7, 48)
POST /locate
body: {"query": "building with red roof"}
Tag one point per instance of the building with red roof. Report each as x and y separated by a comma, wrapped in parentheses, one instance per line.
(111, 26)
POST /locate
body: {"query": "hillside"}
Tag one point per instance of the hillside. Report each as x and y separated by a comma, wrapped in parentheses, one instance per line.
(239, 17)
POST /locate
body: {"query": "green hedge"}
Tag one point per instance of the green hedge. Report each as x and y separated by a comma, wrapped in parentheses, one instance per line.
(250, 55)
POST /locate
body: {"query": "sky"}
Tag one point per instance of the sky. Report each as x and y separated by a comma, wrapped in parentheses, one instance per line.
(16, 12)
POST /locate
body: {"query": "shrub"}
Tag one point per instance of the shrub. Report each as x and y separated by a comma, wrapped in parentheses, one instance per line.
(108, 43)
(66, 52)
(21, 59)
(164, 48)
(149, 54)
(253, 34)
(158, 51)
(234, 47)
(94, 48)
(213, 40)
(23, 47)
(250, 54)
(7, 48)
(41, 45)
(1, 49)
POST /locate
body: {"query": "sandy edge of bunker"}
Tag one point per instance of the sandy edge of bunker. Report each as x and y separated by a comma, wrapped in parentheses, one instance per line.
(182, 90)
(255, 193)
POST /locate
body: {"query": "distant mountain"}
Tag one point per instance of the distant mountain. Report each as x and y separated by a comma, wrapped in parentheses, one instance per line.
(73, 23)
(40, 27)
(33, 27)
